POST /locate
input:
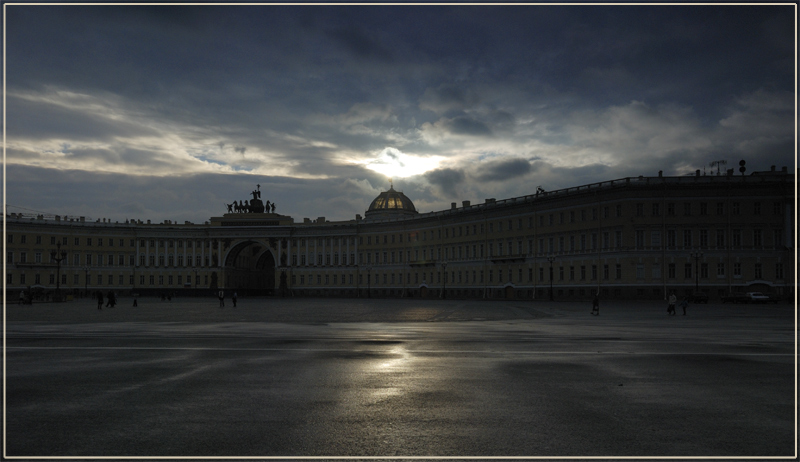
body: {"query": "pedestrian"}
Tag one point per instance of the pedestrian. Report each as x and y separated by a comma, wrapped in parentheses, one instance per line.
(110, 302)
(99, 300)
(672, 301)
(221, 296)
(684, 304)
(234, 299)
(135, 303)
(22, 297)
(596, 306)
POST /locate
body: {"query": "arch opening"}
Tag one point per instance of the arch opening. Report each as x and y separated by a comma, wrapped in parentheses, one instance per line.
(250, 269)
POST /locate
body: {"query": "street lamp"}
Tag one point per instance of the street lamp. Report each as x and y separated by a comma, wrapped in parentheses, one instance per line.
(58, 255)
(551, 259)
(444, 282)
(696, 256)
(369, 282)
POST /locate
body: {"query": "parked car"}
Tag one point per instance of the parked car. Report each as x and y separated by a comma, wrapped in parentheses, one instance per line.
(698, 297)
(757, 297)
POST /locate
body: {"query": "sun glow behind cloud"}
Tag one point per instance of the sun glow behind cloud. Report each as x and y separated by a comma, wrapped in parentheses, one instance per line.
(394, 163)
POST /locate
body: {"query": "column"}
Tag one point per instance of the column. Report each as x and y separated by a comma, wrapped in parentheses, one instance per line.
(185, 259)
(307, 260)
(280, 250)
(347, 239)
(202, 253)
(324, 250)
(289, 252)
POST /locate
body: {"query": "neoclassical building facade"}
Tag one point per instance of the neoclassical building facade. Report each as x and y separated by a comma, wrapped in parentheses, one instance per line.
(630, 238)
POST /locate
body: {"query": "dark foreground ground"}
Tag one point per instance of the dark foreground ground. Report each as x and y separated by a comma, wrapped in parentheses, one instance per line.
(395, 378)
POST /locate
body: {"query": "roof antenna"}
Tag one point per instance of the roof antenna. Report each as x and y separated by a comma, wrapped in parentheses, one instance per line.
(391, 186)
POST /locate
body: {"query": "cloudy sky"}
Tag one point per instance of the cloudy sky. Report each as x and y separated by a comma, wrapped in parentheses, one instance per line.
(169, 112)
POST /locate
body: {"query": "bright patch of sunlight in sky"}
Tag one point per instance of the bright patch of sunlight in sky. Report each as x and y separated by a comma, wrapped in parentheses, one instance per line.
(396, 164)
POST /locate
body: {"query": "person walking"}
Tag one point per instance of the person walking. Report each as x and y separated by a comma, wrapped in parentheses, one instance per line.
(99, 300)
(672, 301)
(234, 299)
(596, 306)
(22, 297)
(221, 296)
(684, 304)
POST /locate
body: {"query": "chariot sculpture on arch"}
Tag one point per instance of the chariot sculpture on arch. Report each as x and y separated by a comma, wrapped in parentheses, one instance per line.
(254, 205)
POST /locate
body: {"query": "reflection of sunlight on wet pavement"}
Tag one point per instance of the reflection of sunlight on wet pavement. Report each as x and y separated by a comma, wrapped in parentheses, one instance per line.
(396, 361)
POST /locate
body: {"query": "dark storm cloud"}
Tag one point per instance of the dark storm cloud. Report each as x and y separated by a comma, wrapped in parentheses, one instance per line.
(358, 42)
(594, 92)
(448, 97)
(44, 119)
(503, 170)
(446, 179)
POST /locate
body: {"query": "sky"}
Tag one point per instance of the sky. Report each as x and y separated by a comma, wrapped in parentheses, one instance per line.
(170, 112)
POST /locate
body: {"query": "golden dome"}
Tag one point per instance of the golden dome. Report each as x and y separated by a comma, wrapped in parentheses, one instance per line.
(391, 203)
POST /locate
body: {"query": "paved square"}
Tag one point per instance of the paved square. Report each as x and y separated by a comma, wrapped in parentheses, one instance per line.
(357, 377)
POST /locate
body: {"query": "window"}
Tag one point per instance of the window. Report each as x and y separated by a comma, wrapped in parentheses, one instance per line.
(687, 270)
(9, 257)
(720, 270)
(671, 270)
(656, 211)
(703, 208)
(778, 238)
(757, 208)
(687, 208)
(687, 237)
(703, 238)
(720, 208)
(619, 271)
(704, 270)
(757, 237)
(619, 210)
(737, 237)
(655, 239)
(720, 238)
(757, 271)
(777, 209)
(639, 209)
(671, 209)
(639, 238)
(778, 270)
(10, 238)
(736, 208)
(737, 270)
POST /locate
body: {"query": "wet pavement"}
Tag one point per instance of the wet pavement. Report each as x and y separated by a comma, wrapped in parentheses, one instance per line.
(394, 378)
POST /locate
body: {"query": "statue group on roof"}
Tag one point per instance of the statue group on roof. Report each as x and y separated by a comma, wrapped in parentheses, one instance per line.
(254, 205)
